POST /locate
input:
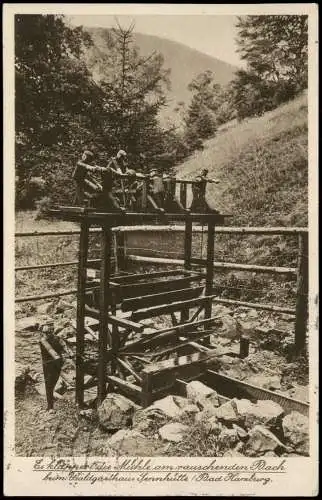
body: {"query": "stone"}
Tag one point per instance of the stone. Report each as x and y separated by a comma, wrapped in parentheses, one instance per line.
(270, 454)
(242, 434)
(175, 432)
(232, 453)
(170, 406)
(253, 313)
(22, 378)
(271, 382)
(246, 328)
(66, 333)
(296, 431)
(201, 394)
(116, 412)
(228, 437)
(300, 392)
(148, 419)
(212, 425)
(230, 327)
(265, 412)
(131, 436)
(205, 415)
(28, 323)
(227, 413)
(262, 440)
(45, 308)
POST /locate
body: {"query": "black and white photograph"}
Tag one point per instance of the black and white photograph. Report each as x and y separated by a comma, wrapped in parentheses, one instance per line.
(162, 249)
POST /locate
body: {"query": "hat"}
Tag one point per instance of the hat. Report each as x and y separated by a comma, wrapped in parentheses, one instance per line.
(120, 154)
(86, 154)
(154, 172)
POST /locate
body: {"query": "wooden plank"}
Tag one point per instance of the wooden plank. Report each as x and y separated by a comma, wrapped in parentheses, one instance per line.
(233, 388)
(183, 194)
(217, 265)
(174, 365)
(132, 390)
(134, 278)
(150, 312)
(301, 295)
(210, 267)
(181, 329)
(129, 369)
(80, 313)
(125, 323)
(187, 258)
(150, 287)
(161, 298)
(254, 305)
(115, 320)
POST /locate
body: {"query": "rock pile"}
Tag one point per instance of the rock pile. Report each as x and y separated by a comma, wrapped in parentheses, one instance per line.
(238, 426)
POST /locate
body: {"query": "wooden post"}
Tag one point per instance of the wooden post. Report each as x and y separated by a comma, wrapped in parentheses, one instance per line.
(209, 271)
(144, 202)
(301, 294)
(146, 394)
(104, 310)
(120, 250)
(80, 315)
(187, 256)
(243, 347)
(183, 194)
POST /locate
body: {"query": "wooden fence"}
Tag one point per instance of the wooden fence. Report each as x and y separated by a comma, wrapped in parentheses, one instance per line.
(121, 251)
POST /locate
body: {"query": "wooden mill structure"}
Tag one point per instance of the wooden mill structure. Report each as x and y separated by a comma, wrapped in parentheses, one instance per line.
(132, 357)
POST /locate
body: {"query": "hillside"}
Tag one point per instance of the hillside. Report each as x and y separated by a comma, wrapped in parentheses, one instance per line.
(262, 166)
(185, 63)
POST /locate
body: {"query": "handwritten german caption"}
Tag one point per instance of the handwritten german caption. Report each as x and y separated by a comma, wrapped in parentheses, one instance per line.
(141, 470)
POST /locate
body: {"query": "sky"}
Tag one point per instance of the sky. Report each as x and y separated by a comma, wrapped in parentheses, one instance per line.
(212, 34)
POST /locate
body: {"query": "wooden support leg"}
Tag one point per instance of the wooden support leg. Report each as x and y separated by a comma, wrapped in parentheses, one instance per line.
(243, 347)
(183, 195)
(146, 395)
(209, 271)
(80, 319)
(51, 369)
(187, 256)
(301, 295)
(120, 250)
(104, 337)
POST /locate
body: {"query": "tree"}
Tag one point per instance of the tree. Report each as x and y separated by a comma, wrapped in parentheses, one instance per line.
(200, 115)
(275, 50)
(275, 47)
(56, 100)
(134, 91)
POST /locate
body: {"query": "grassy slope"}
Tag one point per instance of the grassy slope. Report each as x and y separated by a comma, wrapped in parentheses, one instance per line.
(262, 166)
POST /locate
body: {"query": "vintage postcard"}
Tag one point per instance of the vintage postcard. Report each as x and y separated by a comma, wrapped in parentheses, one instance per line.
(160, 250)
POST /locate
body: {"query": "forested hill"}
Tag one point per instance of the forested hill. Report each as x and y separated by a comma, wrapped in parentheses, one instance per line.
(262, 165)
(184, 62)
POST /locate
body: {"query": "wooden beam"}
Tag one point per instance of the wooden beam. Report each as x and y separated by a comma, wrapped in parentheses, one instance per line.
(181, 329)
(161, 298)
(174, 365)
(134, 278)
(80, 313)
(301, 294)
(128, 388)
(150, 287)
(150, 312)
(233, 388)
(104, 337)
(127, 366)
(115, 320)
